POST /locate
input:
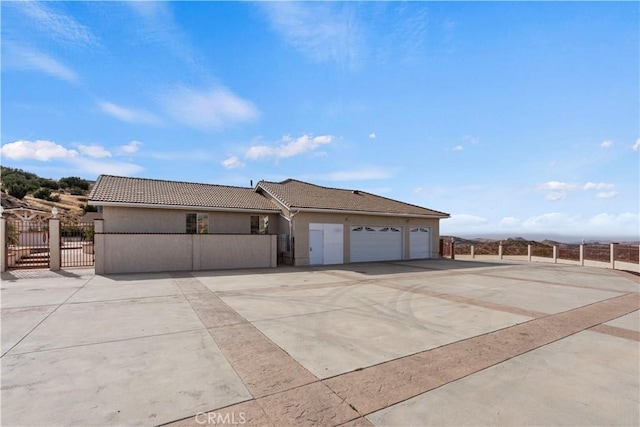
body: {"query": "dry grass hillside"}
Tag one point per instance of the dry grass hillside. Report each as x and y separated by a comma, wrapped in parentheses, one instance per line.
(69, 207)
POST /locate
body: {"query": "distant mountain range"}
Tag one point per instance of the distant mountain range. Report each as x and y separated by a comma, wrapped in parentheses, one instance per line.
(520, 241)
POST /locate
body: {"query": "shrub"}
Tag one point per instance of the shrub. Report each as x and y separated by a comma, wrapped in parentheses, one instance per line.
(17, 189)
(48, 183)
(76, 191)
(88, 234)
(89, 208)
(43, 193)
(73, 182)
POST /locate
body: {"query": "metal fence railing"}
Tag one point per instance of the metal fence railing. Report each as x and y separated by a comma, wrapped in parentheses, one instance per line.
(514, 250)
(542, 251)
(76, 245)
(569, 253)
(597, 253)
(27, 244)
(628, 253)
(590, 252)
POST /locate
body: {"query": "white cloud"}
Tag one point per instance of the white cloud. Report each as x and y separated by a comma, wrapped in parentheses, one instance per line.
(552, 225)
(510, 221)
(606, 144)
(551, 221)
(232, 163)
(636, 146)
(372, 135)
(598, 186)
(127, 114)
(324, 32)
(42, 150)
(289, 148)
(95, 151)
(458, 148)
(606, 194)
(471, 139)
(130, 148)
(26, 58)
(208, 110)
(556, 190)
(57, 25)
(159, 26)
(557, 186)
(418, 190)
(555, 195)
(626, 220)
(82, 162)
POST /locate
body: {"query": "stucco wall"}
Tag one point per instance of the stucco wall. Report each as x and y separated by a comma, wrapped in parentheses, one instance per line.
(133, 253)
(150, 220)
(303, 219)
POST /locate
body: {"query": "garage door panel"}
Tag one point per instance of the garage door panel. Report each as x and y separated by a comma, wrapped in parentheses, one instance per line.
(419, 243)
(376, 243)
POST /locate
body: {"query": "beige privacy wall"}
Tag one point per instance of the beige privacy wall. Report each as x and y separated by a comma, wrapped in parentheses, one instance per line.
(137, 253)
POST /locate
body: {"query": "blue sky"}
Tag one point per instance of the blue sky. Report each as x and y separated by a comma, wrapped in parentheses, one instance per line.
(519, 119)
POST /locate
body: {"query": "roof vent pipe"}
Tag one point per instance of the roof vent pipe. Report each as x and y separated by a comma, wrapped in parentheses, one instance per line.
(355, 192)
(251, 181)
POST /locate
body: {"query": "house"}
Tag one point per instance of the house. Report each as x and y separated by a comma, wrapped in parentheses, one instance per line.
(157, 225)
(336, 226)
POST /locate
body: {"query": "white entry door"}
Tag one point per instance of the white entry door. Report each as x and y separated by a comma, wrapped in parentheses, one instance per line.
(376, 243)
(419, 243)
(316, 247)
(325, 244)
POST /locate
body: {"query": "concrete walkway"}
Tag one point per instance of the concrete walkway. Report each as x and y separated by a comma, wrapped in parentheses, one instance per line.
(434, 342)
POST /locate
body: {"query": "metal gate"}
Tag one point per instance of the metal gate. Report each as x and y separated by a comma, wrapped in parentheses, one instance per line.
(76, 245)
(27, 244)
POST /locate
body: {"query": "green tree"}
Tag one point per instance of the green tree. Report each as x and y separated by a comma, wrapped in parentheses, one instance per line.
(89, 208)
(48, 183)
(74, 181)
(43, 193)
(17, 186)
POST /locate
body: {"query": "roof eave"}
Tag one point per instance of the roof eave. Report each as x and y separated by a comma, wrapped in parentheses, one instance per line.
(180, 207)
(273, 196)
(353, 212)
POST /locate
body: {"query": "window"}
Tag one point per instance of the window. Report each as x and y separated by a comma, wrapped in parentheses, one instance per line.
(259, 224)
(197, 223)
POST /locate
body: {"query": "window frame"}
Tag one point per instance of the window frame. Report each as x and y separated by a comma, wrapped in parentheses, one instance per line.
(197, 223)
(262, 226)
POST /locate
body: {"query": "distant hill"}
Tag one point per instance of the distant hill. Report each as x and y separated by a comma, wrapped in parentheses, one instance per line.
(28, 190)
(483, 245)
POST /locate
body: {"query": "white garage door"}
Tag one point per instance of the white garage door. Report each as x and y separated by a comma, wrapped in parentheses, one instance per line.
(419, 243)
(376, 243)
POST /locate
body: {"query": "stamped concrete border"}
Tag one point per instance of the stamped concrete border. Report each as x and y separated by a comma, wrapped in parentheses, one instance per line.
(285, 393)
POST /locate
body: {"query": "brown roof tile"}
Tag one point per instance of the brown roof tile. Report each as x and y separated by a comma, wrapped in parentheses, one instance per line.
(117, 189)
(298, 194)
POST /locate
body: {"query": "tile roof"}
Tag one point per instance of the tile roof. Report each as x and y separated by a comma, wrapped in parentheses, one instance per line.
(117, 189)
(298, 194)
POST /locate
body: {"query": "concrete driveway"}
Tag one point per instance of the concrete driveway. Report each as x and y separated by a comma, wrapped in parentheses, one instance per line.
(434, 342)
